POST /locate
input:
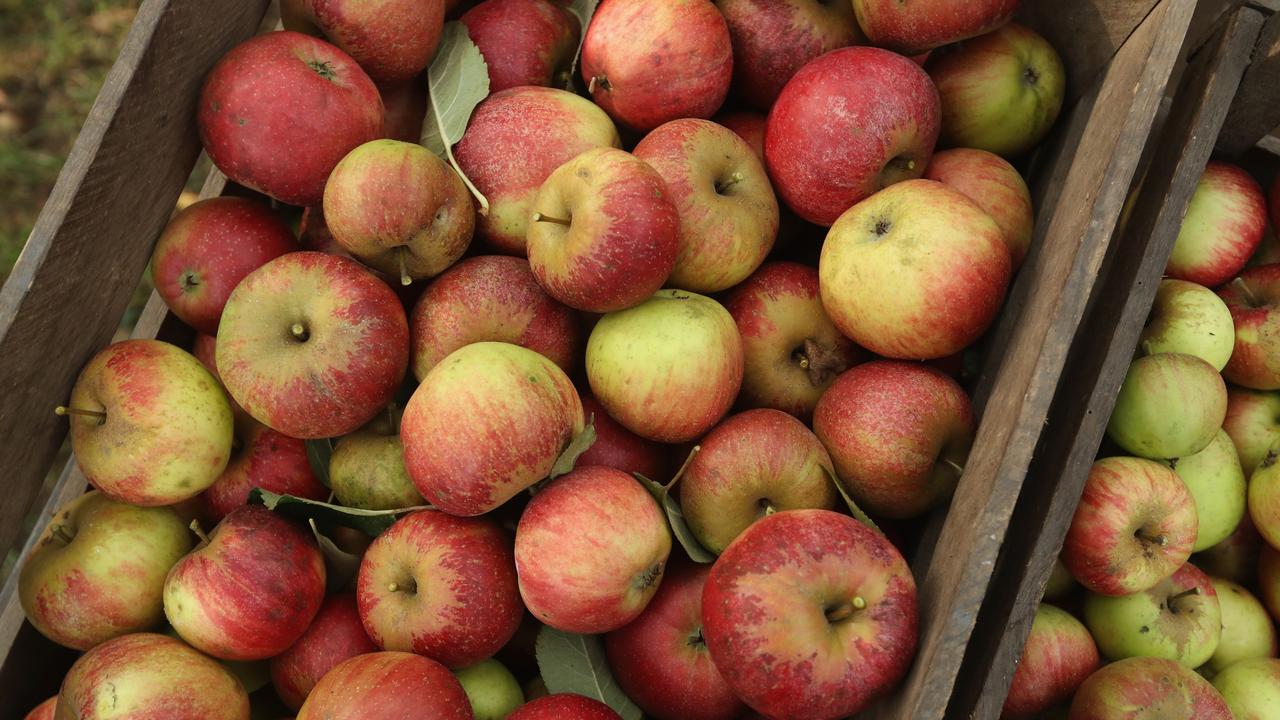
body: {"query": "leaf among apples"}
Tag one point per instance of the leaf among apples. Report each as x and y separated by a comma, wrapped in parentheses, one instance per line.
(675, 515)
(457, 80)
(583, 10)
(581, 443)
(340, 566)
(571, 663)
(318, 454)
(370, 522)
(854, 510)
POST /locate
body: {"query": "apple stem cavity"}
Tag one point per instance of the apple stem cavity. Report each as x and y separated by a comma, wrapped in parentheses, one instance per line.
(323, 69)
(404, 274)
(1160, 540)
(599, 81)
(1244, 289)
(539, 217)
(59, 531)
(734, 179)
(199, 531)
(845, 610)
(299, 332)
(822, 364)
(64, 410)
(410, 587)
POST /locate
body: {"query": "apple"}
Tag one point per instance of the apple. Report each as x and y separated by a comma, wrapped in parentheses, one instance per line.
(249, 591)
(750, 466)
(892, 262)
(387, 686)
(279, 111)
(647, 62)
(993, 185)
(1059, 656)
(1217, 485)
(1147, 688)
(1247, 631)
(667, 369)
(792, 350)
(1178, 618)
(618, 447)
(848, 124)
(486, 423)
(605, 231)
(491, 298)
(205, 348)
(367, 470)
(1269, 579)
(524, 42)
(1135, 526)
(1253, 423)
(207, 248)
(1060, 585)
(1223, 227)
(1235, 558)
(405, 108)
(147, 675)
(747, 125)
(515, 140)
(1264, 498)
(660, 659)
(1189, 318)
(393, 40)
(899, 434)
(149, 425)
(1254, 300)
(810, 613)
(261, 458)
(296, 345)
(1251, 688)
(98, 569)
(772, 39)
(564, 706)
(1001, 92)
(590, 550)
(399, 209)
(493, 691)
(333, 636)
(728, 213)
(43, 711)
(913, 28)
(1171, 405)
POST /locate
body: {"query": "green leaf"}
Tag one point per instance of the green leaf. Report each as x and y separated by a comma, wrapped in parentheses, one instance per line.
(848, 501)
(370, 522)
(340, 566)
(581, 443)
(457, 81)
(318, 454)
(675, 519)
(572, 663)
(583, 10)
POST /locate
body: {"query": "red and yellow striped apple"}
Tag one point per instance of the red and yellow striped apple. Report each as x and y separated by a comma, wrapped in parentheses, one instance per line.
(993, 185)
(1147, 688)
(912, 28)
(1254, 300)
(1223, 227)
(261, 458)
(393, 40)
(524, 42)
(381, 685)
(335, 635)
(1059, 656)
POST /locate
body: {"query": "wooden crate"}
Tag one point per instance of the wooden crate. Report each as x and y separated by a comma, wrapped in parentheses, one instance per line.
(94, 237)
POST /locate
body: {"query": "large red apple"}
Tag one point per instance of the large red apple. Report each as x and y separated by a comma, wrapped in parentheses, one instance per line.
(1254, 301)
(524, 42)
(1253, 423)
(280, 110)
(1059, 656)
(914, 27)
(1223, 227)
(564, 706)
(262, 458)
(849, 123)
(810, 613)
(393, 40)
(333, 636)
(1147, 688)
(993, 185)
(387, 686)
(618, 447)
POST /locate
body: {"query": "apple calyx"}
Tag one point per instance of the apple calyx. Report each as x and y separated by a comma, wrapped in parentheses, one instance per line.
(1269, 459)
(696, 640)
(822, 363)
(649, 576)
(1031, 76)
(300, 332)
(188, 280)
(539, 217)
(1250, 298)
(60, 533)
(199, 531)
(843, 611)
(63, 410)
(323, 68)
(734, 179)
(599, 81)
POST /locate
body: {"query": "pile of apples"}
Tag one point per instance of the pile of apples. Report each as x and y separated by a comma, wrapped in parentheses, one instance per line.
(1190, 466)
(511, 381)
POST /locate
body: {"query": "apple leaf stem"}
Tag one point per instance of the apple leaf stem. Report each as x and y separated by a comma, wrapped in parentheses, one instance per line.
(457, 80)
(539, 217)
(63, 410)
(404, 274)
(199, 531)
(1244, 289)
(954, 466)
(59, 531)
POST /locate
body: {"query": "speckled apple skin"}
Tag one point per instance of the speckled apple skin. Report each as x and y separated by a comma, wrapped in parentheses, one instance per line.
(1223, 227)
(392, 40)
(387, 686)
(1251, 688)
(618, 447)
(993, 185)
(1147, 689)
(335, 634)
(524, 42)
(564, 706)
(1255, 361)
(1059, 656)
(915, 27)
(265, 459)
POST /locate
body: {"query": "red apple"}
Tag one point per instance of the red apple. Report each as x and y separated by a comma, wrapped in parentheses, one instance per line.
(993, 185)
(262, 458)
(405, 107)
(1235, 558)
(43, 711)
(205, 349)
(590, 550)
(1059, 656)
(1147, 688)
(1223, 227)
(334, 635)
(748, 125)
(618, 447)
(250, 591)
(280, 110)
(647, 62)
(849, 123)
(387, 686)
(295, 347)
(1254, 301)
(912, 28)
(393, 40)
(810, 614)
(564, 706)
(524, 42)
(1253, 423)
(208, 248)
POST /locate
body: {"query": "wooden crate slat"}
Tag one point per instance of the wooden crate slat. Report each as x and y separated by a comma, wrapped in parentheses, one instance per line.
(1256, 110)
(1086, 34)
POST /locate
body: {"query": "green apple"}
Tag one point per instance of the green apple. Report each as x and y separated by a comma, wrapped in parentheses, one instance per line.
(1253, 422)
(1178, 619)
(367, 470)
(1191, 319)
(1247, 631)
(1264, 498)
(1251, 688)
(1217, 483)
(493, 691)
(1171, 405)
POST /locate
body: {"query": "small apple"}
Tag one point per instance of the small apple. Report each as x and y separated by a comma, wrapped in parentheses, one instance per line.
(333, 636)
(747, 125)
(618, 447)
(493, 691)
(43, 711)
(1059, 656)
(261, 458)
(1222, 228)
(1147, 688)
(393, 40)
(1217, 485)
(564, 706)
(1264, 498)
(1254, 300)
(524, 42)
(1235, 558)
(387, 686)
(1251, 688)
(1253, 422)
(1171, 405)
(993, 185)
(405, 107)
(367, 470)
(1189, 318)
(1247, 631)
(913, 28)
(1177, 619)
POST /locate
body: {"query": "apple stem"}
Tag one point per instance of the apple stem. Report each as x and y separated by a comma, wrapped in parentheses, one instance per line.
(600, 81)
(199, 531)
(1147, 348)
(954, 466)
(687, 462)
(404, 274)
(822, 363)
(63, 410)
(393, 588)
(734, 179)
(1184, 593)
(60, 532)
(539, 217)
(1153, 539)
(845, 610)
(299, 332)
(859, 603)
(1249, 297)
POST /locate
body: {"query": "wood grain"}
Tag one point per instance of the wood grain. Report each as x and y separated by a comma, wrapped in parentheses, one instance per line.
(1086, 34)
(1255, 113)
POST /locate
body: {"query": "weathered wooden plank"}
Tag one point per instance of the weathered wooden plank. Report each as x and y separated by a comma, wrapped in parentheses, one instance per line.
(1086, 34)
(1256, 110)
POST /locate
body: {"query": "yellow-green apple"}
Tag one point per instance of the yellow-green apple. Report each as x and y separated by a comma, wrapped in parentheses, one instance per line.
(393, 40)
(647, 62)
(208, 248)
(387, 686)
(993, 185)
(43, 711)
(279, 111)
(400, 209)
(1059, 656)
(660, 659)
(1001, 92)
(792, 351)
(748, 125)
(334, 635)
(810, 613)
(313, 345)
(1222, 228)
(250, 590)
(1247, 631)
(912, 28)
(667, 369)
(1147, 689)
(367, 470)
(604, 233)
(1171, 405)
(1269, 579)
(772, 39)
(405, 107)
(1060, 584)
(1217, 485)
(590, 550)
(848, 124)
(1254, 300)
(149, 425)
(1191, 319)
(1177, 619)
(728, 213)
(564, 706)
(750, 466)
(493, 691)
(495, 298)
(1264, 498)
(145, 675)
(1253, 423)
(486, 423)
(1135, 526)
(261, 458)
(899, 434)
(1235, 558)
(524, 42)
(908, 248)
(516, 138)
(618, 447)
(98, 570)
(1251, 688)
